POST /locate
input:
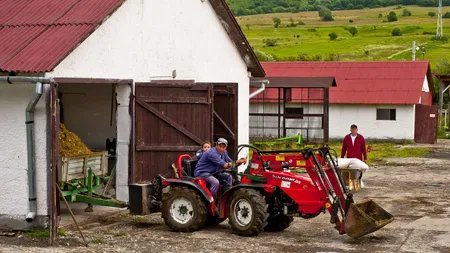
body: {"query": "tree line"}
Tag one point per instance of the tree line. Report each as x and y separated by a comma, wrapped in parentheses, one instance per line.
(252, 7)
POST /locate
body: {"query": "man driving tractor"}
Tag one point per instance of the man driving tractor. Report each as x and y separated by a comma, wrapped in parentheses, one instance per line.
(211, 166)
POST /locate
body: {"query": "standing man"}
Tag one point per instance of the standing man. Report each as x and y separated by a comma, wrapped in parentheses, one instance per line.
(214, 160)
(354, 145)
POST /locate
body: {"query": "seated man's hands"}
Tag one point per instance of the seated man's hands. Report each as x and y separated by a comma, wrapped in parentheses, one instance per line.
(243, 160)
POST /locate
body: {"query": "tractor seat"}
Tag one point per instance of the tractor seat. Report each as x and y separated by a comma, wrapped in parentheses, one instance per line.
(189, 167)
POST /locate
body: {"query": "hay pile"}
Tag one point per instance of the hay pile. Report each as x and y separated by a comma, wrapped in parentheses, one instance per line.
(70, 144)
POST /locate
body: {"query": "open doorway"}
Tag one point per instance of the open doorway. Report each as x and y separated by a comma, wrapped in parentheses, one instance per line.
(88, 134)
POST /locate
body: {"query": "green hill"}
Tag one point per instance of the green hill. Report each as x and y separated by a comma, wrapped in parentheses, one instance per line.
(373, 40)
(252, 7)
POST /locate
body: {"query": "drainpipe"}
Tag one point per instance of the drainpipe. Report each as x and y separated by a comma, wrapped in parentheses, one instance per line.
(261, 89)
(31, 152)
(31, 156)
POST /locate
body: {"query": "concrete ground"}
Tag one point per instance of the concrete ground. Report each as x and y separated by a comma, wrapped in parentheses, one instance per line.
(416, 191)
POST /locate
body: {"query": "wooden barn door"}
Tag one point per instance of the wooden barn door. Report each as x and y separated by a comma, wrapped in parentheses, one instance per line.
(170, 119)
(425, 130)
(225, 115)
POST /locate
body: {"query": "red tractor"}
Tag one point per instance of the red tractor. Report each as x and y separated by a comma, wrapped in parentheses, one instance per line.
(266, 196)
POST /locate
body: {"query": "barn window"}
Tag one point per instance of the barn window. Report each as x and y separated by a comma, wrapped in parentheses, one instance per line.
(294, 110)
(386, 114)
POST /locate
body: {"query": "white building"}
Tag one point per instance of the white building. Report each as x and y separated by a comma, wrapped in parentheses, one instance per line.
(386, 100)
(92, 60)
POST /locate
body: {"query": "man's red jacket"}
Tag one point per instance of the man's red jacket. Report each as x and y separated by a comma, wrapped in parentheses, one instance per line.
(358, 150)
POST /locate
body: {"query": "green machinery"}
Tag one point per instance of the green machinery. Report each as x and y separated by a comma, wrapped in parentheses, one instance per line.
(79, 178)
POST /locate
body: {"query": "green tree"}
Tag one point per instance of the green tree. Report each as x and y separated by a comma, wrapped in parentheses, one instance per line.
(323, 11)
(353, 30)
(406, 12)
(328, 17)
(442, 67)
(333, 36)
(396, 32)
(431, 13)
(276, 22)
(392, 16)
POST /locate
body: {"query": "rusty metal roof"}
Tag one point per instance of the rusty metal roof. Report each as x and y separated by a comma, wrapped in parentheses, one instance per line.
(36, 35)
(27, 25)
(386, 82)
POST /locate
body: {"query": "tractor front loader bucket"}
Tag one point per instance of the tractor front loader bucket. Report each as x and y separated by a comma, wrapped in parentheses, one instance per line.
(364, 218)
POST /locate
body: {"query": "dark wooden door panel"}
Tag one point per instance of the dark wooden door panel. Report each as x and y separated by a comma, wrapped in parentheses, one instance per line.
(170, 119)
(425, 125)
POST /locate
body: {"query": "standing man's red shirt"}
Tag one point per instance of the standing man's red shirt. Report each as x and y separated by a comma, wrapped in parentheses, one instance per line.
(356, 150)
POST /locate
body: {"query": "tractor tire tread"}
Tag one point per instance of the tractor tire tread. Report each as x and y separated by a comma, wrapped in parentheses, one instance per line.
(260, 209)
(278, 222)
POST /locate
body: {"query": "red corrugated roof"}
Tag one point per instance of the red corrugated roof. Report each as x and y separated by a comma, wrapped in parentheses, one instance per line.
(387, 82)
(35, 35)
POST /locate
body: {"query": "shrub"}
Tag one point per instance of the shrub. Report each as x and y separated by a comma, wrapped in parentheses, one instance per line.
(353, 30)
(311, 30)
(270, 42)
(446, 15)
(263, 56)
(406, 12)
(276, 22)
(380, 15)
(325, 14)
(431, 13)
(323, 11)
(328, 17)
(396, 32)
(351, 21)
(392, 16)
(333, 36)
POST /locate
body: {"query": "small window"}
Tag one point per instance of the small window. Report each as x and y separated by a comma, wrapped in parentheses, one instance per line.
(291, 110)
(386, 114)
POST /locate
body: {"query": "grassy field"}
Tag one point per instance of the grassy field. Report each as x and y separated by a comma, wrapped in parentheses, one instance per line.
(378, 154)
(372, 42)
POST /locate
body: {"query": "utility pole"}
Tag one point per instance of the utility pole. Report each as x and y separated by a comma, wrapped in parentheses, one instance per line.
(439, 33)
(413, 50)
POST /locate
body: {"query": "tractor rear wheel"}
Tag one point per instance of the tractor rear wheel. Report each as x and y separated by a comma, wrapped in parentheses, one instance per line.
(248, 212)
(184, 210)
(278, 222)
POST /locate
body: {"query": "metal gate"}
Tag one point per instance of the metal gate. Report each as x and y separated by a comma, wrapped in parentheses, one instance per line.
(176, 118)
(425, 130)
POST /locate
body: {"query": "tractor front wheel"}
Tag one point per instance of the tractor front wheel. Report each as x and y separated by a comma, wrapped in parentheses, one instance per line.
(278, 222)
(184, 210)
(248, 212)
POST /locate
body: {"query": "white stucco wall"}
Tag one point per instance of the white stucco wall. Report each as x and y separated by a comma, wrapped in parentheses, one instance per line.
(87, 112)
(14, 99)
(364, 116)
(145, 40)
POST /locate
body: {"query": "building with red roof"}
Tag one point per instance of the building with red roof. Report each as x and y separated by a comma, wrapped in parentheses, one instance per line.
(101, 64)
(380, 97)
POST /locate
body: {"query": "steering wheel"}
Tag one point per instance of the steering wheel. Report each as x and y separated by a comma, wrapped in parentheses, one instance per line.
(255, 149)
